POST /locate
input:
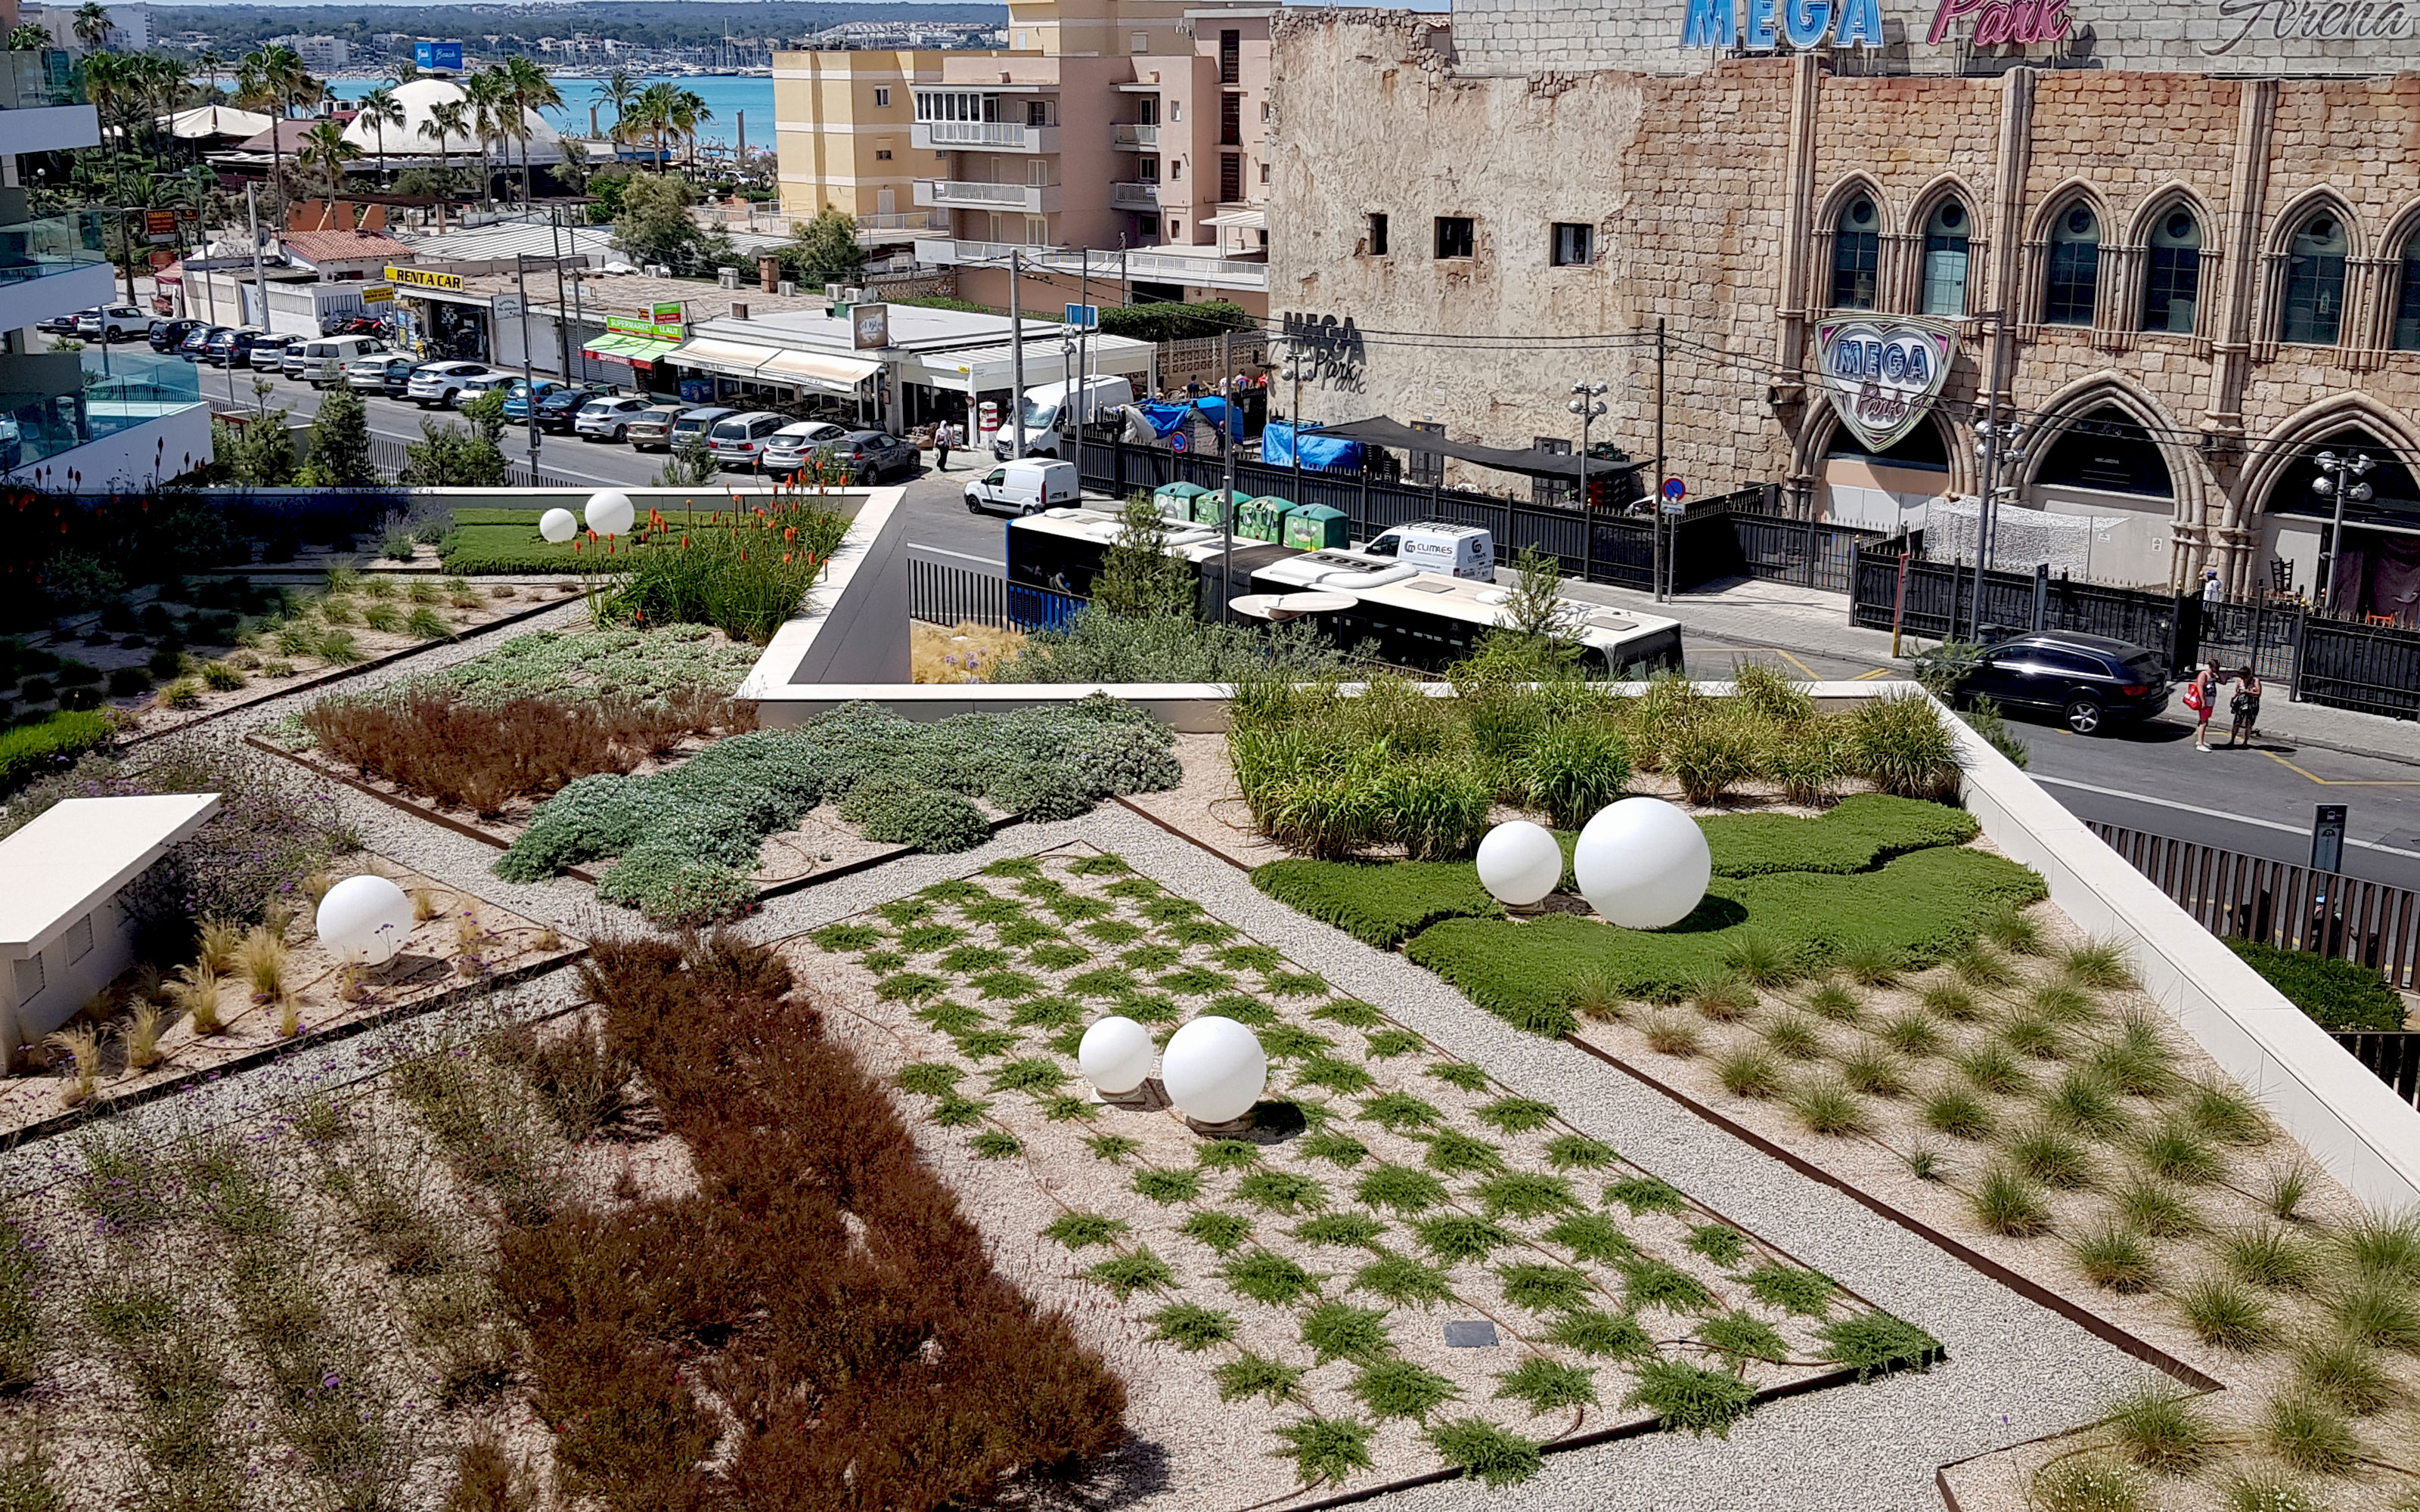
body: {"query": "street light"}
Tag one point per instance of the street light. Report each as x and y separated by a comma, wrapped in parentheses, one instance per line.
(1586, 404)
(2339, 481)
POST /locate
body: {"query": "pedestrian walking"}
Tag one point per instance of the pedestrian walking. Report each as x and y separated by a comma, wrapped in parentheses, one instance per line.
(944, 437)
(2210, 590)
(2201, 696)
(2245, 706)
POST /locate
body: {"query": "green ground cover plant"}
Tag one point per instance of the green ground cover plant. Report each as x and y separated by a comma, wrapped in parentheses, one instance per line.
(1347, 1215)
(2337, 994)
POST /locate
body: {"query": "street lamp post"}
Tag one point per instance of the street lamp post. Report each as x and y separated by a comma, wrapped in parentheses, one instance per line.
(1587, 404)
(2339, 481)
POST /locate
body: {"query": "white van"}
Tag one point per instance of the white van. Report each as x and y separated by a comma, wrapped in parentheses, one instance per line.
(1024, 487)
(1051, 415)
(324, 358)
(1454, 550)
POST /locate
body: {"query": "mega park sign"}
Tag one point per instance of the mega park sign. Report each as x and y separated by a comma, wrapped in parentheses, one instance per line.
(1882, 375)
(1762, 26)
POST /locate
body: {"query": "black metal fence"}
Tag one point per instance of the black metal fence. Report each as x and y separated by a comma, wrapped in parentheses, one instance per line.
(388, 455)
(938, 593)
(2372, 668)
(2393, 1053)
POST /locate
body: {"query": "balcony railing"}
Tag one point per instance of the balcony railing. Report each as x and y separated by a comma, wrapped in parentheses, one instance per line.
(31, 80)
(948, 193)
(53, 245)
(896, 221)
(1174, 268)
(1134, 134)
(1134, 196)
(974, 133)
(121, 390)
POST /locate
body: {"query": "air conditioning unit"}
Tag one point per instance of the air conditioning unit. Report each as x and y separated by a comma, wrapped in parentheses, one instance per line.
(786, 288)
(659, 270)
(832, 291)
(727, 277)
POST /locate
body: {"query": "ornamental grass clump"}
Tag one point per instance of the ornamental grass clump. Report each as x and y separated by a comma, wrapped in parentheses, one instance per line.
(743, 571)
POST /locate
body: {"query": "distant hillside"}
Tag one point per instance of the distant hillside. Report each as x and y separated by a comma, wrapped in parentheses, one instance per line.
(641, 23)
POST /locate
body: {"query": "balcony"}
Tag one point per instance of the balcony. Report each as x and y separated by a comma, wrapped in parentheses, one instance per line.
(1140, 136)
(983, 136)
(1137, 197)
(45, 102)
(959, 194)
(86, 419)
(52, 265)
(1165, 267)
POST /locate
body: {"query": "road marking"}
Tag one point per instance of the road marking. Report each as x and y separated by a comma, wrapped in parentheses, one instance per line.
(2213, 814)
(943, 551)
(1879, 671)
(1795, 662)
(2339, 783)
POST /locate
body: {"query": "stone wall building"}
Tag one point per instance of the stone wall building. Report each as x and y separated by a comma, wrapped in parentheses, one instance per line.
(2206, 246)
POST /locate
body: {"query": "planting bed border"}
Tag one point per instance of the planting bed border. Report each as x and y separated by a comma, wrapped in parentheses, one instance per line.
(342, 674)
(106, 1105)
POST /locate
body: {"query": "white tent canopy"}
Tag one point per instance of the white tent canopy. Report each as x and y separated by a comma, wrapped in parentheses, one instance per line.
(214, 120)
(418, 97)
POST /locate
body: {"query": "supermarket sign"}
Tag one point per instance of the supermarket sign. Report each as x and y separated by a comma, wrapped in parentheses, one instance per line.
(622, 325)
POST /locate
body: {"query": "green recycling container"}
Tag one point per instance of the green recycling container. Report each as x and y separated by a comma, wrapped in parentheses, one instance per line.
(1176, 500)
(1209, 506)
(1315, 528)
(1263, 519)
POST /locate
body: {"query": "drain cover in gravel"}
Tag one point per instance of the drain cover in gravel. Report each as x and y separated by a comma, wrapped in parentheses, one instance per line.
(1478, 1336)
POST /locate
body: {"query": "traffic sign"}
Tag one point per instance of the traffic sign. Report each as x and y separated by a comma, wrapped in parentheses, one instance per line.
(1178, 443)
(1083, 317)
(1674, 507)
(1674, 489)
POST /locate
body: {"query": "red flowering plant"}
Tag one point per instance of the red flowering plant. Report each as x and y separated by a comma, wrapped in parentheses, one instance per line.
(744, 570)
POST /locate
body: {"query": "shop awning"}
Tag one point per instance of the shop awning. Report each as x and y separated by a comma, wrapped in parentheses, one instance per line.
(981, 369)
(1531, 462)
(1239, 220)
(733, 359)
(636, 351)
(830, 372)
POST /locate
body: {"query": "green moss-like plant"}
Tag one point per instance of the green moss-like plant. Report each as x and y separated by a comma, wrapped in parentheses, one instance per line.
(1547, 1386)
(1400, 1188)
(1460, 1239)
(1325, 1451)
(1079, 1231)
(1255, 1375)
(1267, 1277)
(1339, 1331)
(1224, 1232)
(1402, 1281)
(1601, 1335)
(1142, 1271)
(1874, 1344)
(1192, 1328)
(1481, 1450)
(1592, 1236)
(1399, 1388)
(1691, 1398)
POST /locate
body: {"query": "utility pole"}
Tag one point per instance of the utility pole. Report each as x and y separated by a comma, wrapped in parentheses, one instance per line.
(1226, 485)
(1656, 495)
(1016, 348)
(1991, 447)
(562, 328)
(1083, 347)
(259, 281)
(529, 380)
(1587, 403)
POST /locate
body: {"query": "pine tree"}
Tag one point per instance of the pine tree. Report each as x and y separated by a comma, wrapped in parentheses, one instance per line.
(1139, 577)
(340, 442)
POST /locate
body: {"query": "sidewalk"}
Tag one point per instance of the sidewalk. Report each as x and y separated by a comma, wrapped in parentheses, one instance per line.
(1808, 621)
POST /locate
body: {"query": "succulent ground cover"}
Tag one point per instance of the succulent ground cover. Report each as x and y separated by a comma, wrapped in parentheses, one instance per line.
(2025, 1094)
(1307, 1266)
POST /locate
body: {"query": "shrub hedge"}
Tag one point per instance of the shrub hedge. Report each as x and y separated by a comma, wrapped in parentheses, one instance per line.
(1923, 907)
(2337, 994)
(30, 750)
(1851, 835)
(1378, 902)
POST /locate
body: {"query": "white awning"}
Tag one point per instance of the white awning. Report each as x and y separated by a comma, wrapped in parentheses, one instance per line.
(830, 372)
(1240, 220)
(982, 369)
(730, 358)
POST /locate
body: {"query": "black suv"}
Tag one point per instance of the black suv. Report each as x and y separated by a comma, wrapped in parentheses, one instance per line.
(167, 335)
(2088, 680)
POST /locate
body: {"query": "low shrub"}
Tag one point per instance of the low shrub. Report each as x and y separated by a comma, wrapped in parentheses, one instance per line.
(1902, 746)
(742, 571)
(2337, 994)
(51, 745)
(904, 811)
(1378, 904)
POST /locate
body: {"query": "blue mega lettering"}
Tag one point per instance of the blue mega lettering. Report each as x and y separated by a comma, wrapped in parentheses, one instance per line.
(1803, 23)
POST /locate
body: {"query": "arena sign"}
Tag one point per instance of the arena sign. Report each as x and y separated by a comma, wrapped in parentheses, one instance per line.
(1760, 26)
(1882, 375)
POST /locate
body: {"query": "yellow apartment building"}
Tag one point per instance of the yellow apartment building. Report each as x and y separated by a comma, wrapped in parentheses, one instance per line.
(841, 124)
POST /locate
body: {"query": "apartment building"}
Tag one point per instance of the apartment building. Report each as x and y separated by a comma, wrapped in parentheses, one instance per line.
(106, 415)
(1117, 141)
(841, 125)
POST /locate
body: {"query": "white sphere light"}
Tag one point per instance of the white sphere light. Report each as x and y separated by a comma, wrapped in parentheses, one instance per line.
(1519, 862)
(610, 512)
(364, 919)
(1643, 863)
(1214, 1069)
(1115, 1056)
(557, 525)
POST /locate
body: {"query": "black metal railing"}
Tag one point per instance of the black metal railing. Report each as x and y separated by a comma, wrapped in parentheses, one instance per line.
(2393, 1053)
(938, 593)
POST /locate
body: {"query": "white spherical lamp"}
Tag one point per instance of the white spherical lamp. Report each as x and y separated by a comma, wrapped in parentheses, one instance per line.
(1115, 1056)
(1519, 862)
(1642, 863)
(1214, 1069)
(610, 512)
(364, 919)
(557, 525)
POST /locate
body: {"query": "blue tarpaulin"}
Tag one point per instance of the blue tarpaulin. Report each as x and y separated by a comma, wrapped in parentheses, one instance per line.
(1322, 454)
(1167, 419)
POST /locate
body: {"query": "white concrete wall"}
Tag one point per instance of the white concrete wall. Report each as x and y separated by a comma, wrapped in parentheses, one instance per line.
(857, 632)
(137, 456)
(2136, 550)
(70, 970)
(30, 300)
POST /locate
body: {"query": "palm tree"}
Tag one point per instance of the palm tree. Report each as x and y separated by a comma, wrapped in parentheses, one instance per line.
(530, 92)
(378, 110)
(212, 63)
(484, 93)
(273, 79)
(653, 112)
(689, 111)
(447, 119)
(92, 26)
(620, 91)
(324, 147)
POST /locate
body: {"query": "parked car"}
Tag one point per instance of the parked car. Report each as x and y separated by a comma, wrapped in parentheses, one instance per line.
(516, 397)
(871, 456)
(197, 341)
(479, 383)
(651, 429)
(2089, 680)
(556, 411)
(787, 449)
(436, 383)
(697, 422)
(269, 352)
(322, 360)
(1025, 487)
(607, 417)
(232, 349)
(387, 373)
(738, 441)
(169, 335)
(112, 322)
(62, 324)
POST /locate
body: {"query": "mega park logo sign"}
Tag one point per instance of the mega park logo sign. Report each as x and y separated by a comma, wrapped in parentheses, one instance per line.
(1762, 26)
(1882, 375)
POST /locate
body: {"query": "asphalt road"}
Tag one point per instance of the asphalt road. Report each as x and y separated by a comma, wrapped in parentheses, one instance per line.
(2258, 800)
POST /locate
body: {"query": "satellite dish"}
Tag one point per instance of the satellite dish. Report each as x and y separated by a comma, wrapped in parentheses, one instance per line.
(1256, 606)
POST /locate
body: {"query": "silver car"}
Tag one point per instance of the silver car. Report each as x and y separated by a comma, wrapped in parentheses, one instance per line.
(269, 352)
(438, 382)
(787, 449)
(607, 417)
(479, 383)
(380, 373)
(738, 441)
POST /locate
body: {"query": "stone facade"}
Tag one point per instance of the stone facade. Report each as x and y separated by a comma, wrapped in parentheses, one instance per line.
(1713, 198)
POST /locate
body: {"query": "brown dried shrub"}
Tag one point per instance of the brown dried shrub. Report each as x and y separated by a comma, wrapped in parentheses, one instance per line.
(482, 756)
